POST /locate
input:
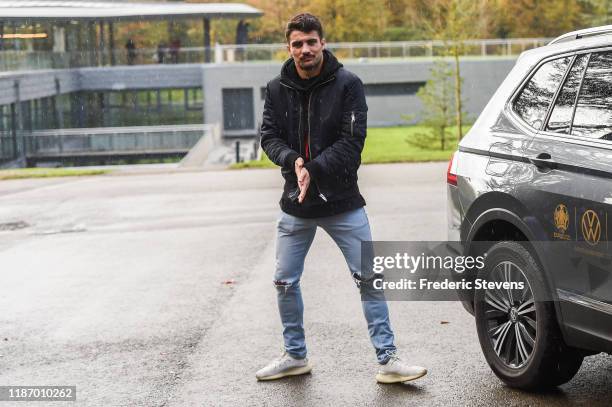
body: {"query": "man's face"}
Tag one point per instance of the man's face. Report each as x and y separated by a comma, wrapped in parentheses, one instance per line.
(306, 49)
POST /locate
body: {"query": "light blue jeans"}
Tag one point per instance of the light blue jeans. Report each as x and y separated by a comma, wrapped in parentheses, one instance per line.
(348, 230)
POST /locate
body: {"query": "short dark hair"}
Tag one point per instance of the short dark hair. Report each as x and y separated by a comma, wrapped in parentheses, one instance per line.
(304, 22)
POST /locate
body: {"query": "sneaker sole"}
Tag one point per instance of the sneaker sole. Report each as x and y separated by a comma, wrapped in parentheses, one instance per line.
(296, 371)
(394, 378)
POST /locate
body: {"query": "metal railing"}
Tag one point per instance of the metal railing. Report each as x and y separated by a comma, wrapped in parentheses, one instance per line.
(138, 140)
(11, 60)
(390, 49)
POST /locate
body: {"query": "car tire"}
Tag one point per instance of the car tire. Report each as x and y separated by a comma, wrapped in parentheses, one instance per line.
(517, 329)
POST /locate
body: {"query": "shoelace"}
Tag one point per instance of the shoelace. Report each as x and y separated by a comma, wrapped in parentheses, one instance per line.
(282, 358)
(392, 355)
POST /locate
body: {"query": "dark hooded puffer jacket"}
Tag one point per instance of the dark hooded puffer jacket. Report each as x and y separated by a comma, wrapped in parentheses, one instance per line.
(324, 121)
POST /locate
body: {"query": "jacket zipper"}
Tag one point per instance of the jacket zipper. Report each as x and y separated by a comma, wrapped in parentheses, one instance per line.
(323, 197)
(299, 122)
(352, 122)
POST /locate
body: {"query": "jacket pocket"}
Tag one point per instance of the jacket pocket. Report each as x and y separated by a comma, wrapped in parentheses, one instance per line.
(289, 174)
(354, 124)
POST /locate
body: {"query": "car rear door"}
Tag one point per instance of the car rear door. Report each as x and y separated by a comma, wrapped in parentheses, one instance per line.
(572, 164)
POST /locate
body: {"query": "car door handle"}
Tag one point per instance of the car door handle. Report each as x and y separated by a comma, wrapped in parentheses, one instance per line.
(543, 161)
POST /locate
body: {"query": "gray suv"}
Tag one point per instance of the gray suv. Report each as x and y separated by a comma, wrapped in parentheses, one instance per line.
(530, 187)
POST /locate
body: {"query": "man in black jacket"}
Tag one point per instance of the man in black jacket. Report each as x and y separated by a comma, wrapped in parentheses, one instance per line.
(314, 128)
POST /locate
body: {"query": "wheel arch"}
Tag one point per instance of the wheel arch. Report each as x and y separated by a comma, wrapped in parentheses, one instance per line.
(500, 216)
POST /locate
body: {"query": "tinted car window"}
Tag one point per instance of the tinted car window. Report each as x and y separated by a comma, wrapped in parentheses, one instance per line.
(535, 98)
(593, 117)
(561, 116)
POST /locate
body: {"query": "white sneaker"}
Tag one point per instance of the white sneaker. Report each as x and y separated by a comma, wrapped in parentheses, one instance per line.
(396, 371)
(283, 366)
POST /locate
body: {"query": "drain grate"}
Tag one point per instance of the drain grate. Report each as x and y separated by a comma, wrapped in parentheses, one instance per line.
(13, 225)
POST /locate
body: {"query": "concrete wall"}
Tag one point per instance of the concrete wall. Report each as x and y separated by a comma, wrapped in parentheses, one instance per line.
(481, 76)
(36, 84)
(141, 77)
(481, 79)
(219, 77)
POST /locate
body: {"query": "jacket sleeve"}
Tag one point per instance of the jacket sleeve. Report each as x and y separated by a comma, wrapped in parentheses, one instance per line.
(344, 155)
(275, 146)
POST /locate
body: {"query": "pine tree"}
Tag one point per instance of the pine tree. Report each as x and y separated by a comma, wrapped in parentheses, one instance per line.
(438, 112)
(454, 22)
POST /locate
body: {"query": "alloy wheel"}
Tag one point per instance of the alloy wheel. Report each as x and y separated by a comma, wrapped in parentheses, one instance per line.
(510, 315)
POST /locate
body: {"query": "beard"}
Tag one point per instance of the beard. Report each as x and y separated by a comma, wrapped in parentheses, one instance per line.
(311, 64)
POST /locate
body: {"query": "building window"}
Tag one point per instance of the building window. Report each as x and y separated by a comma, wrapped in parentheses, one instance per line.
(393, 89)
(7, 133)
(238, 111)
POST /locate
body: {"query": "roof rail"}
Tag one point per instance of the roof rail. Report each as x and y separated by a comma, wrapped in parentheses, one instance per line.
(589, 32)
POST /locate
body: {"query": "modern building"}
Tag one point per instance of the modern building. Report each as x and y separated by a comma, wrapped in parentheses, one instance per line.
(81, 97)
(49, 48)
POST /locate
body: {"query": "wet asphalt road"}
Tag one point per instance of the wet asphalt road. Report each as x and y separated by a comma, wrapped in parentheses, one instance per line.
(156, 290)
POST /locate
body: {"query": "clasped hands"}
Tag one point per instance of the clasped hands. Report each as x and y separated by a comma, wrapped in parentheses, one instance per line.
(303, 178)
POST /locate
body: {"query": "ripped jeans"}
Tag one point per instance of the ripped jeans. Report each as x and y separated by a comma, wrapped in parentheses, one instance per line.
(348, 230)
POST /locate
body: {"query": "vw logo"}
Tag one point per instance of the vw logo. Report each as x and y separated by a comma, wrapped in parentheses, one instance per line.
(591, 227)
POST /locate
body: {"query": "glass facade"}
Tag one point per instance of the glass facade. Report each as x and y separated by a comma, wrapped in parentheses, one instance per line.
(8, 139)
(110, 109)
(148, 107)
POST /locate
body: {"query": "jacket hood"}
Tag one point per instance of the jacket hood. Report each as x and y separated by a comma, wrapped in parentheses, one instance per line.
(290, 76)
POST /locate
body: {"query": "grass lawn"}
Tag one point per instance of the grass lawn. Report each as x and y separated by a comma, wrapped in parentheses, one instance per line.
(384, 145)
(47, 172)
